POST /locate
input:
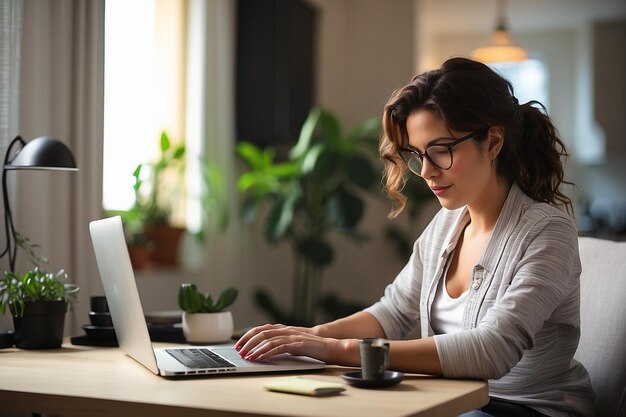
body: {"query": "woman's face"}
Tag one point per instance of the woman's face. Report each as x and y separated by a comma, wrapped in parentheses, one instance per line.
(467, 182)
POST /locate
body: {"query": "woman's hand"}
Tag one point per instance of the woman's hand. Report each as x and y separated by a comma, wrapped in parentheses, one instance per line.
(272, 339)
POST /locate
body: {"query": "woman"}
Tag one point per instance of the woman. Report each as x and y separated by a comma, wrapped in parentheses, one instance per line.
(493, 281)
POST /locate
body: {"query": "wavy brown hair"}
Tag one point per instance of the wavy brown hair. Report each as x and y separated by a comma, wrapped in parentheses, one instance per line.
(469, 96)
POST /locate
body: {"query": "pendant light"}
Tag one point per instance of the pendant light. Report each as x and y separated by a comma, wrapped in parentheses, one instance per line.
(501, 47)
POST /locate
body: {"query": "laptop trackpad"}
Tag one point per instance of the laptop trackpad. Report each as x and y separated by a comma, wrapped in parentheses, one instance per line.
(230, 354)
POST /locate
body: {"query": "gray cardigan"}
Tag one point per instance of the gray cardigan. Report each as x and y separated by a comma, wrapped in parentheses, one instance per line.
(521, 322)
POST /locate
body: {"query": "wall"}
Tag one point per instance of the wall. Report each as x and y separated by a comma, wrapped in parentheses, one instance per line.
(366, 50)
(603, 183)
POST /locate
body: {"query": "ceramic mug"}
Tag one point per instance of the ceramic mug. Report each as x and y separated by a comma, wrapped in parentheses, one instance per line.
(374, 358)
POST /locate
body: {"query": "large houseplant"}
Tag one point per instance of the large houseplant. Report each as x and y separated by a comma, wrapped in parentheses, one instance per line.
(315, 191)
(206, 320)
(38, 301)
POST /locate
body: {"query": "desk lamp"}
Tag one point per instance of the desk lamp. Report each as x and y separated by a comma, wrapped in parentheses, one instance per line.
(42, 153)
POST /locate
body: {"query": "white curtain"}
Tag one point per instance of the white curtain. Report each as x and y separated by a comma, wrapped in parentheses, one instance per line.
(209, 122)
(10, 33)
(61, 95)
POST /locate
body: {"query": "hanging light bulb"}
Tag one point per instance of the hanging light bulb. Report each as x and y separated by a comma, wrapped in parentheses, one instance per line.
(502, 47)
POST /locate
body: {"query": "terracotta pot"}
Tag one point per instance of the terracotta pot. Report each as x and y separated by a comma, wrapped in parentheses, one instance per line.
(208, 327)
(41, 326)
(165, 241)
(139, 256)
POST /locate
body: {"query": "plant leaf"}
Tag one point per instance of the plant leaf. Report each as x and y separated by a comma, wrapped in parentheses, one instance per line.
(165, 142)
(306, 134)
(344, 209)
(317, 251)
(327, 164)
(226, 298)
(250, 208)
(369, 128)
(281, 215)
(251, 154)
(311, 157)
(179, 152)
(359, 171)
(330, 126)
(189, 299)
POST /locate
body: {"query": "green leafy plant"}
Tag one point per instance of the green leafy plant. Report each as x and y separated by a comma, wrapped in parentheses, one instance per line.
(164, 185)
(191, 300)
(35, 285)
(30, 249)
(155, 207)
(316, 190)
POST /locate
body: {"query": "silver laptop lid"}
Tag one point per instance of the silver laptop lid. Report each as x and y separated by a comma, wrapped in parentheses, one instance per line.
(118, 279)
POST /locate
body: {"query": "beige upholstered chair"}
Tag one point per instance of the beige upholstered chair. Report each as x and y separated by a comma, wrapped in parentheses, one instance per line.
(602, 347)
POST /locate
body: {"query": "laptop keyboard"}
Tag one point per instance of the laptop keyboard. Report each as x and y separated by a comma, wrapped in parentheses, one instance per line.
(199, 358)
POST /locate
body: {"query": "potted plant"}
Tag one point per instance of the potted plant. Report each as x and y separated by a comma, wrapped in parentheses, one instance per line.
(149, 225)
(206, 320)
(154, 197)
(317, 190)
(38, 301)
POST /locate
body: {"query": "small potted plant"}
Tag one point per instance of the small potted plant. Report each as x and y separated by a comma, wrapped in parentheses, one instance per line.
(205, 320)
(38, 301)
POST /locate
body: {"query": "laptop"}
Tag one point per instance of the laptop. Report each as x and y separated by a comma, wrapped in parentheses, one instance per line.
(118, 279)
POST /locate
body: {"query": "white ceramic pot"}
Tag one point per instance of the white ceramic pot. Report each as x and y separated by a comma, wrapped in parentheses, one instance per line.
(208, 327)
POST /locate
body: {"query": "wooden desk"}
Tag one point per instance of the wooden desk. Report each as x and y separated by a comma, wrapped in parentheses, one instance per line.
(87, 381)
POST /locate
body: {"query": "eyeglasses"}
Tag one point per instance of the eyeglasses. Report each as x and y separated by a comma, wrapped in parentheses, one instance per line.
(440, 155)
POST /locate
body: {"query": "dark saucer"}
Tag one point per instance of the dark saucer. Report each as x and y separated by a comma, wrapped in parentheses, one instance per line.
(390, 378)
(99, 332)
(6, 339)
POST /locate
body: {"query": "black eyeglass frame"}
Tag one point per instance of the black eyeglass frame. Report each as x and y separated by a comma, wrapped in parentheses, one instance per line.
(404, 150)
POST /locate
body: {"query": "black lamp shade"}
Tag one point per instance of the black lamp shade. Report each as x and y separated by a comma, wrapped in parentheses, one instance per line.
(43, 153)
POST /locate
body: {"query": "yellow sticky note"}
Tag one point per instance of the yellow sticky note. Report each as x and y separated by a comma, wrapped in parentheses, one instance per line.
(304, 386)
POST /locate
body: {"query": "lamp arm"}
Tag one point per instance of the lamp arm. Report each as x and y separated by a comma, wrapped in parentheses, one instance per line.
(9, 229)
(7, 156)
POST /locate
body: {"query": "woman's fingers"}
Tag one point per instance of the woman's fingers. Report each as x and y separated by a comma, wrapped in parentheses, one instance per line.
(262, 333)
(290, 341)
(253, 332)
(275, 346)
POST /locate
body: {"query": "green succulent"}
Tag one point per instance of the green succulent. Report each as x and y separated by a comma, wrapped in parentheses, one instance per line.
(191, 300)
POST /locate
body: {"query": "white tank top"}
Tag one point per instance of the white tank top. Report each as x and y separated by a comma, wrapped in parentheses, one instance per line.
(446, 313)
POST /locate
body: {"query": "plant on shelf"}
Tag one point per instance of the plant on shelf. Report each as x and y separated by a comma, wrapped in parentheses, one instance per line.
(317, 190)
(151, 215)
(206, 320)
(38, 301)
(158, 187)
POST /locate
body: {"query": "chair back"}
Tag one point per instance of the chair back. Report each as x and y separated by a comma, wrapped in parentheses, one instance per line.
(602, 347)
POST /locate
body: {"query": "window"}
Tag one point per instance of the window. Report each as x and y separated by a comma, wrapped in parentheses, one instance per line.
(529, 79)
(144, 89)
